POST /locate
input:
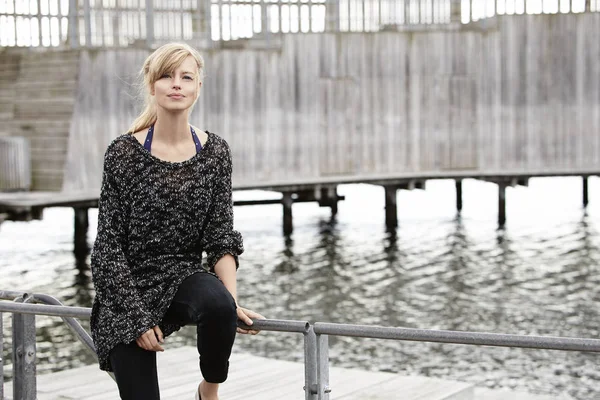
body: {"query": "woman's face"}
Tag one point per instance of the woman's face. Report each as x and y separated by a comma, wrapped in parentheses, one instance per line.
(179, 90)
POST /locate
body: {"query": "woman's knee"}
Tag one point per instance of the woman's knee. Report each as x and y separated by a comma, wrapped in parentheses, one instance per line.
(220, 305)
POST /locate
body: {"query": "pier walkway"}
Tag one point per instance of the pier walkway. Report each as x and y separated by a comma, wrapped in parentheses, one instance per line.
(254, 378)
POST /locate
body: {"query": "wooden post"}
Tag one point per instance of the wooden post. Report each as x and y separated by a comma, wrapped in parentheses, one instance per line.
(391, 209)
(288, 226)
(81, 249)
(586, 198)
(459, 203)
(501, 203)
(588, 5)
(329, 194)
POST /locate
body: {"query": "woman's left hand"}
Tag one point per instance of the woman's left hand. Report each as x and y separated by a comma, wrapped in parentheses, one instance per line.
(246, 316)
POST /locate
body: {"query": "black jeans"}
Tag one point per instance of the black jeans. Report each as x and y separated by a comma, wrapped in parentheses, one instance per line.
(201, 299)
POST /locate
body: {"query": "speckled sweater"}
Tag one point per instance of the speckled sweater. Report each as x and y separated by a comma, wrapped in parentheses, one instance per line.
(155, 219)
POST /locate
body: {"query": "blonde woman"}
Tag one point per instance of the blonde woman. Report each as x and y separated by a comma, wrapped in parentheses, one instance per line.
(166, 198)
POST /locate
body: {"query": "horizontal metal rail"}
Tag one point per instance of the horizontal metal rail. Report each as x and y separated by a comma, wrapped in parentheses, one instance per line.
(459, 337)
(316, 348)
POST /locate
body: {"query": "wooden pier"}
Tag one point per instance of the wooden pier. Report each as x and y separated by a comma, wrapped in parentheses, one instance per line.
(258, 378)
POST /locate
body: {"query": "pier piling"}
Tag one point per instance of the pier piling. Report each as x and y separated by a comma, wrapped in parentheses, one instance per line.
(459, 200)
(501, 203)
(81, 248)
(586, 198)
(391, 209)
(287, 201)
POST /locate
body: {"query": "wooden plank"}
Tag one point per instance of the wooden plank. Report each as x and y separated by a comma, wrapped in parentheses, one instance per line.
(250, 378)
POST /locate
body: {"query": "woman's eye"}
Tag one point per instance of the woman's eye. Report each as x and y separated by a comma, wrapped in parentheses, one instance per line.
(188, 77)
(165, 76)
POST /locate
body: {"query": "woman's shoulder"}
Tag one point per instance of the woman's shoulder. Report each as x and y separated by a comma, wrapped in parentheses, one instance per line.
(119, 147)
(218, 144)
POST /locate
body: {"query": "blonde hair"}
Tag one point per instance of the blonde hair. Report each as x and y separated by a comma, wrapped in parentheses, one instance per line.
(163, 60)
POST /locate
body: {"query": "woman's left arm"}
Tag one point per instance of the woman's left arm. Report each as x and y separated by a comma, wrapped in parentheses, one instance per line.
(226, 271)
(221, 242)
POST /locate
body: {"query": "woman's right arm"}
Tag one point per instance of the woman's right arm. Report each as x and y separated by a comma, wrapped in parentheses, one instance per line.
(113, 282)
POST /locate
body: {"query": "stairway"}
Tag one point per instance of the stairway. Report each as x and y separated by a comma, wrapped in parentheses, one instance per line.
(37, 97)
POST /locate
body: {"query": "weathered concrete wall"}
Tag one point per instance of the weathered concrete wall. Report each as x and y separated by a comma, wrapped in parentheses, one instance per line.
(522, 96)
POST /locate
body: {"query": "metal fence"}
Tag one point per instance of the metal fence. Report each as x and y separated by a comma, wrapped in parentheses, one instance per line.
(117, 23)
(316, 342)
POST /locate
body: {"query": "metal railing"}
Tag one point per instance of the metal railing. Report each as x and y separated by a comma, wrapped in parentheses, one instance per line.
(316, 340)
(119, 23)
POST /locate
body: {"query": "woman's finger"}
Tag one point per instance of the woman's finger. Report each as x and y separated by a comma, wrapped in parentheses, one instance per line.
(159, 334)
(253, 314)
(242, 315)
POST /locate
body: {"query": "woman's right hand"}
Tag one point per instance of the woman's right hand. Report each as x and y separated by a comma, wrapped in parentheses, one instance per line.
(151, 340)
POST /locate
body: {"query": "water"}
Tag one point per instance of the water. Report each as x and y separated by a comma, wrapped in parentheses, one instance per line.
(537, 276)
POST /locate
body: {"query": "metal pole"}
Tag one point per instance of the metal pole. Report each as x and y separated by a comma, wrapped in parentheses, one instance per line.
(23, 356)
(323, 367)
(149, 23)
(1, 358)
(310, 364)
(88, 23)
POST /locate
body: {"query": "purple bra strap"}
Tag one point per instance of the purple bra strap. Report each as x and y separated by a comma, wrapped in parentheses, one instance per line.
(148, 141)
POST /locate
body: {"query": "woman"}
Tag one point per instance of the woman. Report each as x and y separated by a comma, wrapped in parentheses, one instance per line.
(166, 198)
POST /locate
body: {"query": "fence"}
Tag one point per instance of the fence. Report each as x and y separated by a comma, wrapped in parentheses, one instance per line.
(118, 23)
(316, 343)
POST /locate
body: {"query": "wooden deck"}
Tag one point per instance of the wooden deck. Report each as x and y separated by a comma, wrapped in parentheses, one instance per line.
(254, 378)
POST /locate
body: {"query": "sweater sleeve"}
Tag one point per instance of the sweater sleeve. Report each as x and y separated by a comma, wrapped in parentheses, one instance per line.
(111, 273)
(219, 238)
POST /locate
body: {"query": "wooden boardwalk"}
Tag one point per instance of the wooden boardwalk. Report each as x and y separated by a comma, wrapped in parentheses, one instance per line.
(254, 378)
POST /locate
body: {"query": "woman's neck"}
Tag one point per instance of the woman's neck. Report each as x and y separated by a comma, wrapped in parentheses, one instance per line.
(172, 127)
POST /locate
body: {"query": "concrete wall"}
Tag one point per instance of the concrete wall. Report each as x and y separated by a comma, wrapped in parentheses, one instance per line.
(520, 95)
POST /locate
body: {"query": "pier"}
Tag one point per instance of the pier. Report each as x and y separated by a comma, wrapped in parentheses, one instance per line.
(259, 378)
(307, 112)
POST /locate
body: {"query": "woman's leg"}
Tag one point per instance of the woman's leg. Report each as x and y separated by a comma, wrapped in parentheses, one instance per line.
(202, 299)
(135, 372)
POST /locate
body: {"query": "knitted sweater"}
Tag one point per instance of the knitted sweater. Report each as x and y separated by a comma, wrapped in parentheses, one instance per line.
(155, 219)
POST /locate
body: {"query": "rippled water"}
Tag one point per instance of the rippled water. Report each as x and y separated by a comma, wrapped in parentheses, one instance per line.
(537, 276)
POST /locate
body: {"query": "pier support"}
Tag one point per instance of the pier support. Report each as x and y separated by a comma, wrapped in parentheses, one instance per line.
(81, 248)
(328, 197)
(391, 207)
(287, 201)
(586, 198)
(501, 203)
(459, 200)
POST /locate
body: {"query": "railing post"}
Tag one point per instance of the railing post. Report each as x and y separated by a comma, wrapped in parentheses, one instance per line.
(310, 364)
(24, 354)
(149, 23)
(323, 367)
(73, 24)
(1, 359)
